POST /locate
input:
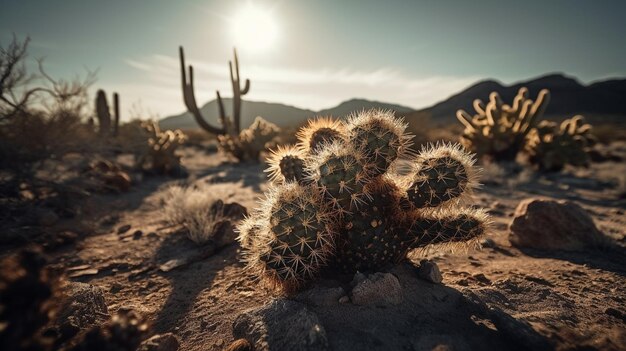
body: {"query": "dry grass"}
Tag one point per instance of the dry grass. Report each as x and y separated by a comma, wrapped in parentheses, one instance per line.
(194, 209)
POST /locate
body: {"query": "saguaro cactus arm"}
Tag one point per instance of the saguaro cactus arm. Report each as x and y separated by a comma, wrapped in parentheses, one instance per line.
(190, 98)
(116, 111)
(237, 91)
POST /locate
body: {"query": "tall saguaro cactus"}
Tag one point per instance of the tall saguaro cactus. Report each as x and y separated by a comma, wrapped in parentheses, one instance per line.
(103, 113)
(228, 127)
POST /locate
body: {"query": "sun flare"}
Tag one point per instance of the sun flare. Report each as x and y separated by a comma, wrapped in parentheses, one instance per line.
(254, 28)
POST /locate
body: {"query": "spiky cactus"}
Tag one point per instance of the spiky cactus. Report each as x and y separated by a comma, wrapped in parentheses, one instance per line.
(345, 177)
(551, 146)
(498, 130)
(159, 154)
(249, 144)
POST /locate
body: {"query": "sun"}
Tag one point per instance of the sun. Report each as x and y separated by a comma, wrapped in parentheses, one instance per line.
(254, 28)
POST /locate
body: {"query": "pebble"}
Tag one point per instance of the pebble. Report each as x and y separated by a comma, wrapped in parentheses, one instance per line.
(428, 270)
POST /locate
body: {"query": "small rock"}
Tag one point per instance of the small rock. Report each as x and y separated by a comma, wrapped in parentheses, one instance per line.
(123, 229)
(115, 288)
(344, 300)
(481, 278)
(319, 296)
(240, 345)
(428, 270)
(83, 307)
(137, 234)
(160, 342)
(85, 272)
(488, 242)
(358, 277)
(281, 325)
(554, 225)
(46, 217)
(377, 289)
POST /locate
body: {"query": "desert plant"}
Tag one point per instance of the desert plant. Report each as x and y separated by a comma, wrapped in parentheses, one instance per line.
(159, 155)
(551, 146)
(241, 144)
(106, 125)
(497, 130)
(346, 205)
(196, 209)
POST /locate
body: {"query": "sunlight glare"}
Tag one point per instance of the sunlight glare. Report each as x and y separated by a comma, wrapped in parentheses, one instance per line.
(254, 28)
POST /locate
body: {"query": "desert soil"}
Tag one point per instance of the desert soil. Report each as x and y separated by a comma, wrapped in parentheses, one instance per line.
(571, 300)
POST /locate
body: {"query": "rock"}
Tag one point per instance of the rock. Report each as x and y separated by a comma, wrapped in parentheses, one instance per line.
(320, 296)
(118, 180)
(377, 289)
(83, 307)
(428, 270)
(224, 230)
(123, 229)
(240, 345)
(45, 217)
(488, 242)
(615, 313)
(344, 299)
(281, 325)
(554, 225)
(160, 342)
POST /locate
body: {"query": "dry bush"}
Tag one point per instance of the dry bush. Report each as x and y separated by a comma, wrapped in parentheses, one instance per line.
(193, 208)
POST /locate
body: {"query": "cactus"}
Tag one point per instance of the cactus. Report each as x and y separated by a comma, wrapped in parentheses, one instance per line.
(499, 131)
(288, 238)
(249, 144)
(373, 217)
(103, 113)
(318, 132)
(123, 332)
(551, 146)
(286, 165)
(159, 155)
(244, 145)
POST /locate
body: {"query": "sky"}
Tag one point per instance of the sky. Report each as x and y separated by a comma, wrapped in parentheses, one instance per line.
(315, 54)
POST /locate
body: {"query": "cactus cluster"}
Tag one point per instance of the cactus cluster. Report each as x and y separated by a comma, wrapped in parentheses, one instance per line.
(338, 200)
(251, 141)
(159, 155)
(498, 130)
(551, 146)
(244, 145)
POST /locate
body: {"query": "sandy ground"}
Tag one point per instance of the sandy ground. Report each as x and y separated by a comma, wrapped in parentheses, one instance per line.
(569, 299)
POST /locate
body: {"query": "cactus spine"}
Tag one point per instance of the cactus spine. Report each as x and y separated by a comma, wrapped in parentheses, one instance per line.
(377, 215)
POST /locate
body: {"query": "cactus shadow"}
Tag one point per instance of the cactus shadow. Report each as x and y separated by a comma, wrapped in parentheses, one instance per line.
(430, 316)
(250, 174)
(192, 270)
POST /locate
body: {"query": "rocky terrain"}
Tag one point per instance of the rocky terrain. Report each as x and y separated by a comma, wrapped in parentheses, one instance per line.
(551, 275)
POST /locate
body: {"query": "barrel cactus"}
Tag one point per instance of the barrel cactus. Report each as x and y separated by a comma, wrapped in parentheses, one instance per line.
(347, 207)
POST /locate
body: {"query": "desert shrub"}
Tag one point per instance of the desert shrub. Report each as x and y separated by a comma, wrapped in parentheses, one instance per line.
(193, 208)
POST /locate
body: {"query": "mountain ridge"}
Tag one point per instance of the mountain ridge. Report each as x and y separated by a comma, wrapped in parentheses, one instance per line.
(568, 97)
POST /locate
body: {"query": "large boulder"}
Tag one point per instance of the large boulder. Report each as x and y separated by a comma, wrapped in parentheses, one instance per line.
(554, 225)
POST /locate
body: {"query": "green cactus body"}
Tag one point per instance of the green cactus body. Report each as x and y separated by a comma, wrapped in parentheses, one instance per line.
(373, 237)
(296, 241)
(441, 174)
(339, 174)
(381, 138)
(449, 228)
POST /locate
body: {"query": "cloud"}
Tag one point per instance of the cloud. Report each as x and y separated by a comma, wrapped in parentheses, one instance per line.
(306, 88)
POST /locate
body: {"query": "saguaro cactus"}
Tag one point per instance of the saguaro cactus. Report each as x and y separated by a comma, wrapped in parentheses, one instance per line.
(103, 113)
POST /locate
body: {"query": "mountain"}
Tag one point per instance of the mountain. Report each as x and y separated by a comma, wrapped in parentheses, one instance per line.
(567, 97)
(279, 114)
